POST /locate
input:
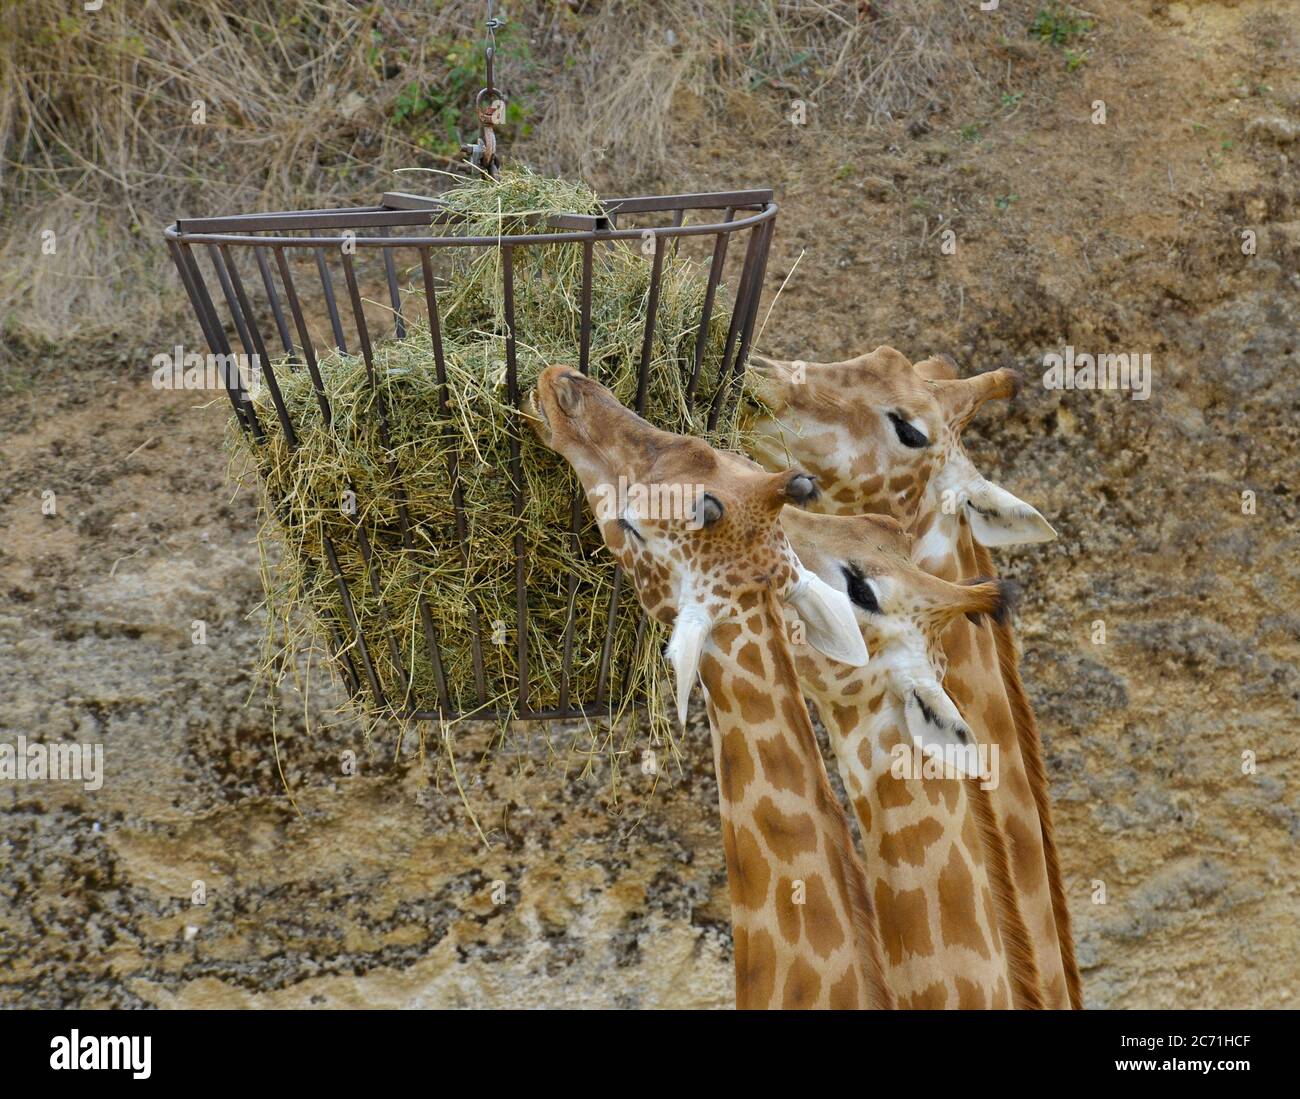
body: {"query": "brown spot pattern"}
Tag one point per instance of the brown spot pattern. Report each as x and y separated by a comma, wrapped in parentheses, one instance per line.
(821, 920)
(957, 914)
(904, 924)
(787, 836)
(735, 766)
(747, 866)
(802, 986)
(755, 968)
(908, 844)
(781, 765)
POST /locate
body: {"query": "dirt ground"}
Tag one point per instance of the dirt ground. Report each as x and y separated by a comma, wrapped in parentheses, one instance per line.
(374, 889)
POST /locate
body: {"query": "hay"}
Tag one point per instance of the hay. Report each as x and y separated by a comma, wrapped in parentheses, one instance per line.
(348, 458)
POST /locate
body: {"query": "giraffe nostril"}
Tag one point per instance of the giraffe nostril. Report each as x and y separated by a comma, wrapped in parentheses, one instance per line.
(801, 488)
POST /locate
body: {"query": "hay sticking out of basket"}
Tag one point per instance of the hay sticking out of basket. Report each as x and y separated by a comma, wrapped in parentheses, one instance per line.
(395, 569)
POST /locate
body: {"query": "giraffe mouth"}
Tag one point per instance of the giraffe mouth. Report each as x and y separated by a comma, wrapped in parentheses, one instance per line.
(535, 414)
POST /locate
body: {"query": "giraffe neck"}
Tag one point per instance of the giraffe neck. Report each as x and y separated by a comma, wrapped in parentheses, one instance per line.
(805, 932)
(944, 546)
(924, 851)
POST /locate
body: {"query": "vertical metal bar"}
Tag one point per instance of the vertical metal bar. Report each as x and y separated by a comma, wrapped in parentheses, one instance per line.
(228, 289)
(346, 597)
(381, 407)
(221, 346)
(372, 577)
(352, 680)
(304, 336)
(453, 473)
(575, 551)
(575, 510)
(276, 311)
(327, 286)
(394, 294)
(516, 475)
(408, 540)
(706, 312)
(341, 655)
(607, 646)
(259, 345)
(189, 279)
(584, 335)
(747, 332)
(651, 314)
(744, 294)
(359, 318)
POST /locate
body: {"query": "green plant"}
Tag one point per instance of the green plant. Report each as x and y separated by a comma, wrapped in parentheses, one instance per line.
(1058, 25)
(444, 108)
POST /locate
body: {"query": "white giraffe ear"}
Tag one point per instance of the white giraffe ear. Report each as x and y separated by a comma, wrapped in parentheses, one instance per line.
(683, 651)
(828, 618)
(998, 518)
(937, 728)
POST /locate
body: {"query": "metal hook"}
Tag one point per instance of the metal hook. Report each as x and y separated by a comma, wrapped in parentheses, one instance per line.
(483, 153)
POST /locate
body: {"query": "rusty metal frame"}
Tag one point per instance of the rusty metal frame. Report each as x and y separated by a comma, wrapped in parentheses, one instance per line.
(263, 242)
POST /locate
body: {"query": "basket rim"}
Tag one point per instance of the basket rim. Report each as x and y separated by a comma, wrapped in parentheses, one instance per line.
(399, 209)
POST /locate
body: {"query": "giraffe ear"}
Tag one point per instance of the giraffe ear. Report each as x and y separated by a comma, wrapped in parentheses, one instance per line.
(684, 649)
(998, 518)
(827, 614)
(937, 728)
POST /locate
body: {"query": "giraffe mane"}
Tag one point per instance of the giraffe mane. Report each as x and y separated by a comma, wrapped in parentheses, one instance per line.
(1031, 750)
(1021, 962)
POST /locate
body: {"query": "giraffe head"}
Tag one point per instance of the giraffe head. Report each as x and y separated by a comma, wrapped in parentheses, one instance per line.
(884, 436)
(696, 529)
(902, 612)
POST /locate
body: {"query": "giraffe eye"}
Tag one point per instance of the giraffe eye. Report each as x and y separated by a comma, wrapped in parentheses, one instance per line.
(907, 434)
(862, 592)
(630, 529)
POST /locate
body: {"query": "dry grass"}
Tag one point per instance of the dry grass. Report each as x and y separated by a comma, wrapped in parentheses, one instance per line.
(98, 140)
(866, 62)
(313, 101)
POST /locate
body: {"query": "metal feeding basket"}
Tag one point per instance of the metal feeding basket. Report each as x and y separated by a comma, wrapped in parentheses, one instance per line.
(297, 280)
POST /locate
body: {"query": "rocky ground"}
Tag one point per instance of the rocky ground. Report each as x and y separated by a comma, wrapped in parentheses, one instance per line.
(375, 888)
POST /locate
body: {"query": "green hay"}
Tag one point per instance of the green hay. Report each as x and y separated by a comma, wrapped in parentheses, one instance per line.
(350, 456)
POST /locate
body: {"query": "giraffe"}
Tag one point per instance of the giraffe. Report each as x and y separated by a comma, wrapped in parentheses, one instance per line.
(934, 857)
(883, 436)
(718, 569)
